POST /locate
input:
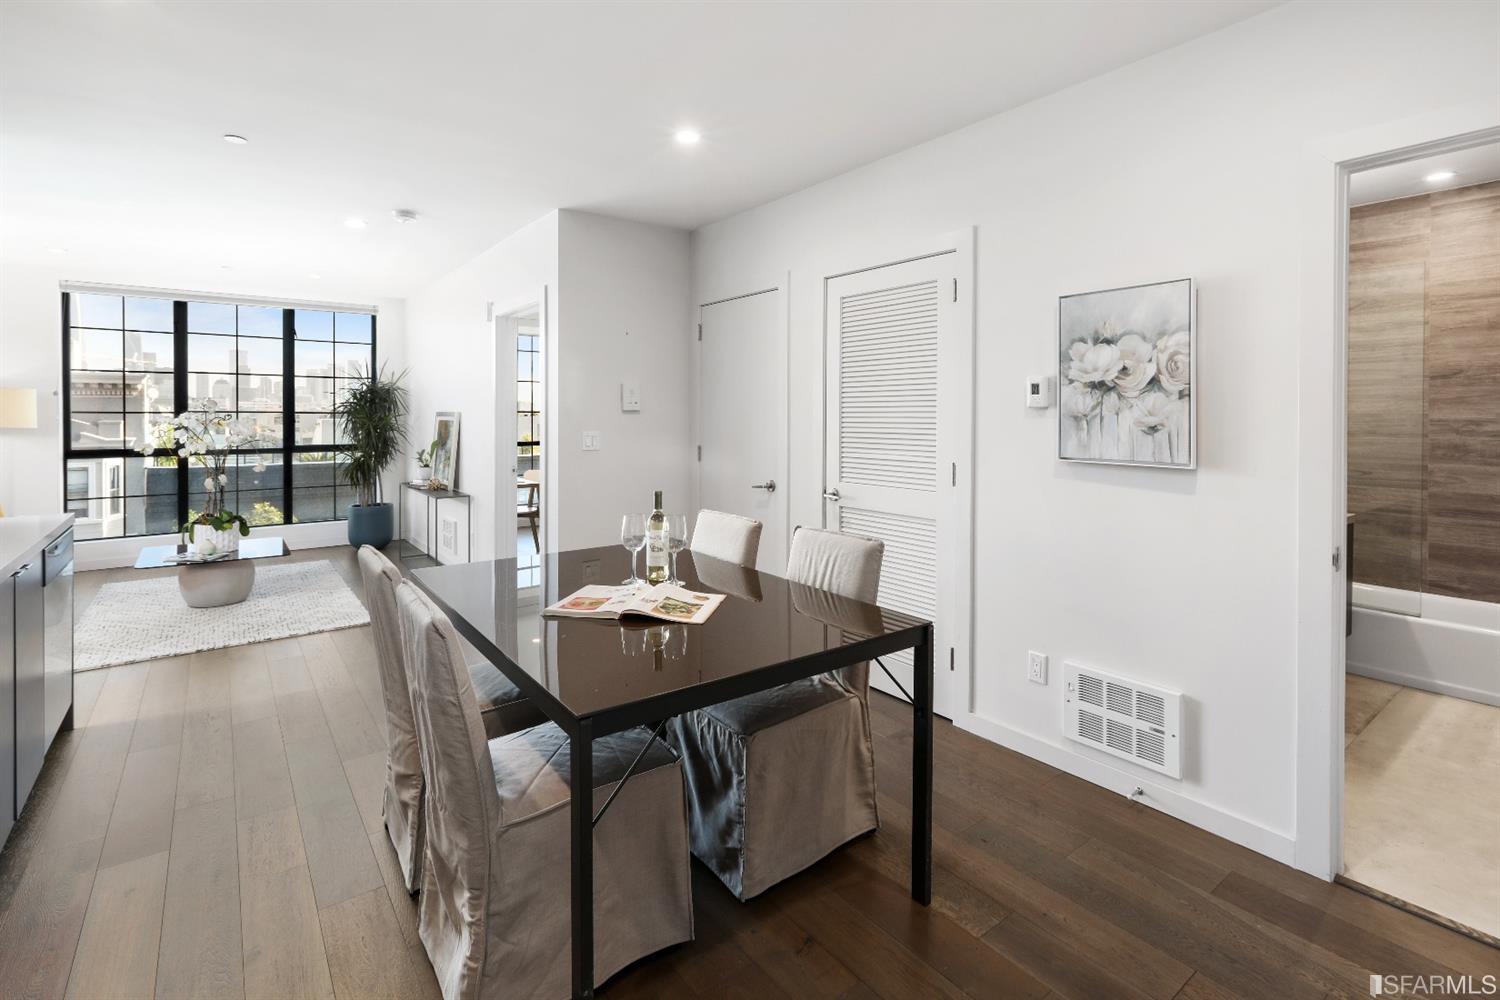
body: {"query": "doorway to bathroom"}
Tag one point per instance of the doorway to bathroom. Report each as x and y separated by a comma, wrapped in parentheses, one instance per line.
(1421, 740)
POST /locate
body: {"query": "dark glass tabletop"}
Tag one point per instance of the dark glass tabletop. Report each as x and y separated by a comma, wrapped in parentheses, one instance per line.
(158, 556)
(636, 669)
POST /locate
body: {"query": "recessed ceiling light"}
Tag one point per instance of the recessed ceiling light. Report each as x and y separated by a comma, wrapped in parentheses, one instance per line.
(1438, 176)
(315, 276)
(355, 222)
(57, 250)
(404, 215)
(687, 137)
(236, 140)
(225, 267)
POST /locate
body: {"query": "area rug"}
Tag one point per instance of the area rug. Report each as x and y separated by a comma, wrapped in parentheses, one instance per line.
(147, 619)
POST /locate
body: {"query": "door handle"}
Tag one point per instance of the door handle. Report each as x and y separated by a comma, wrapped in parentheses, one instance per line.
(769, 486)
(831, 495)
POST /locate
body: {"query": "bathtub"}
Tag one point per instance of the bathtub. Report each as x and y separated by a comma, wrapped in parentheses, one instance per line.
(1444, 644)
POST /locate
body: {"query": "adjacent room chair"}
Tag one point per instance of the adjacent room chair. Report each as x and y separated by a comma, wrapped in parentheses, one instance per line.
(778, 779)
(729, 537)
(531, 507)
(504, 711)
(493, 913)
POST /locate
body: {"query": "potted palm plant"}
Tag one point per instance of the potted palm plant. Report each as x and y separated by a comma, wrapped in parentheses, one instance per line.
(372, 416)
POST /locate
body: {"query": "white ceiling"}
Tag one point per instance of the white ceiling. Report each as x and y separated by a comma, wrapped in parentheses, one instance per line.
(483, 117)
(1478, 165)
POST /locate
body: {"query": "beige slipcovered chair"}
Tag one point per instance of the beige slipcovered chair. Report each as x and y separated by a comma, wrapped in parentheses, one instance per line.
(729, 537)
(494, 909)
(503, 708)
(778, 779)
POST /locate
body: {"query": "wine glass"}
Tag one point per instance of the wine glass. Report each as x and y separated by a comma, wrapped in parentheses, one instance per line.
(676, 540)
(633, 537)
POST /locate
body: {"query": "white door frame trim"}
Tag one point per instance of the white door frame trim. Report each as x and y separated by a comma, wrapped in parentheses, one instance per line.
(501, 312)
(960, 242)
(781, 287)
(1322, 472)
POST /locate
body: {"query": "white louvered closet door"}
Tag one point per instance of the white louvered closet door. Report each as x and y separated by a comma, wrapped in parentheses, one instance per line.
(888, 334)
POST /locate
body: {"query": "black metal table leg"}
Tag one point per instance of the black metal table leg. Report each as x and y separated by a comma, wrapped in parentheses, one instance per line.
(582, 828)
(921, 771)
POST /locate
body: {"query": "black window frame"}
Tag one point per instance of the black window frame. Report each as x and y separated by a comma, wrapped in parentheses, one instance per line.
(181, 374)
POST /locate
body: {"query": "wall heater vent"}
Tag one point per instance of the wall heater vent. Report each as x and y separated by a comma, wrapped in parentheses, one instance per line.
(1123, 717)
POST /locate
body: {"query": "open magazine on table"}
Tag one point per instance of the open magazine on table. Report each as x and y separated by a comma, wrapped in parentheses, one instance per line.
(665, 601)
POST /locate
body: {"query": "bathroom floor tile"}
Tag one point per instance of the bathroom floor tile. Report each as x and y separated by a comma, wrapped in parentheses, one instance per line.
(1422, 803)
(1364, 697)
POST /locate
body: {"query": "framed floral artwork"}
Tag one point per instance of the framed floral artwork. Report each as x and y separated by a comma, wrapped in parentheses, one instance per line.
(1127, 371)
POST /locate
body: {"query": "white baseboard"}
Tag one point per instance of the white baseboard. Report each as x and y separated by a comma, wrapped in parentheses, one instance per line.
(113, 553)
(1246, 833)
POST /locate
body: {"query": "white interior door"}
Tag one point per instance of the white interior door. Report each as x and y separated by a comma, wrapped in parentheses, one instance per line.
(899, 398)
(742, 416)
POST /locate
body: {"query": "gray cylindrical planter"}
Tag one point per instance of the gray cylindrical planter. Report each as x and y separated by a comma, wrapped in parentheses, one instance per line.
(373, 525)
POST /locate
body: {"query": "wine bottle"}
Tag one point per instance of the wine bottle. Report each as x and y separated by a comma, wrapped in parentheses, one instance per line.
(656, 545)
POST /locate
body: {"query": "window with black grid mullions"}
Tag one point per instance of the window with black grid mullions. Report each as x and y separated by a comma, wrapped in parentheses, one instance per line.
(121, 359)
(134, 361)
(331, 351)
(234, 357)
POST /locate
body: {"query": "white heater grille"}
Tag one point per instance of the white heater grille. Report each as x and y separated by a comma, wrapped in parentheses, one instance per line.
(1123, 717)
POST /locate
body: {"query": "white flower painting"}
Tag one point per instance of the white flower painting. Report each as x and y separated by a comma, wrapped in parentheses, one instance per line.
(1126, 371)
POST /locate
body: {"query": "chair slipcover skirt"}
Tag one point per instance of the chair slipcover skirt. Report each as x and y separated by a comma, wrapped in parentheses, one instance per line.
(776, 780)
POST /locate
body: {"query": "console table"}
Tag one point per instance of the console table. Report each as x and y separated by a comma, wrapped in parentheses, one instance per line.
(433, 499)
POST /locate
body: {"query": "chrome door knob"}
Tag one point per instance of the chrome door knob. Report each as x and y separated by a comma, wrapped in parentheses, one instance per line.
(831, 495)
(769, 486)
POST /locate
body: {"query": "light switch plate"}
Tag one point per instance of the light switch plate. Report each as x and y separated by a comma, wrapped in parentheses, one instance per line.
(630, 397)
(590, 440)
(1036, 667)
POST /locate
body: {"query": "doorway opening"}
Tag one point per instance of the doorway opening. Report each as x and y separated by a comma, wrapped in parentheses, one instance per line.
(1421, 741)
(520, 417)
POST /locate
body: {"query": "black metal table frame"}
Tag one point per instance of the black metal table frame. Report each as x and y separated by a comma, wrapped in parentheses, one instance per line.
(650, 712)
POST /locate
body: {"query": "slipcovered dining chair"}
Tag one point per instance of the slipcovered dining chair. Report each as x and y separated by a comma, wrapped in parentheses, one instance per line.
(493, 914)
(729, 537)
(778, 779)
(503, 708)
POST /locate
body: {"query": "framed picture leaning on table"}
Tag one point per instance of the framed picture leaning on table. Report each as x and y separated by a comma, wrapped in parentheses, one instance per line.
(445, 449)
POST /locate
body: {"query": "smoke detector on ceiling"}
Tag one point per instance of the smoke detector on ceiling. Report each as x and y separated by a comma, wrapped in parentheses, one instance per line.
(404, 215)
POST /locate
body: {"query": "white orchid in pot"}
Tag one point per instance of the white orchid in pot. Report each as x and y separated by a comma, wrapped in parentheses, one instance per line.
(210, 439)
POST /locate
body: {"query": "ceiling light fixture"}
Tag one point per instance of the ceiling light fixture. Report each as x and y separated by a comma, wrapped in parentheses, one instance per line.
(57, 250)
(355, 222)
(1438, 176)
(236, 140)
(315, 276)
(687, 137)
(404, 215)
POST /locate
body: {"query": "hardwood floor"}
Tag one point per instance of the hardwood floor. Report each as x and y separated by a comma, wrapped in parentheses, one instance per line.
(212, 828)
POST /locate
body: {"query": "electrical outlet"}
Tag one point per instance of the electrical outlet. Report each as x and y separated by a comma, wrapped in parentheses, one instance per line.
(1036, 667)
(590, 570)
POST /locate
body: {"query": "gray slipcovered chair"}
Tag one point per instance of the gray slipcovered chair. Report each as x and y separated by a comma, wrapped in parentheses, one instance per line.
(729, 537)
(778, 779)
(503, 708)
(493, 914)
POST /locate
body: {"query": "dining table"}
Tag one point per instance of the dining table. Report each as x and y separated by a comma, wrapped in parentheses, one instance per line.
(596, 677)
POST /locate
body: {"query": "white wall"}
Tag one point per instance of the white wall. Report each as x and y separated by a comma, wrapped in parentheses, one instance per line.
(452, 357)
(625, 309)
(31, 356)
(617, 307)
(1180, 165)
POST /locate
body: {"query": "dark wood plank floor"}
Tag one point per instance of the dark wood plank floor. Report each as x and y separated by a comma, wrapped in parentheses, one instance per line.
(212, 829)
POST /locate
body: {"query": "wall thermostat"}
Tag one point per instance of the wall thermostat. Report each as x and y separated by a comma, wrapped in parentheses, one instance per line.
(1039, 391)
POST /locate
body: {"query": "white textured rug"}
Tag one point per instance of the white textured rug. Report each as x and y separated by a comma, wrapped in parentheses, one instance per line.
(147, 619)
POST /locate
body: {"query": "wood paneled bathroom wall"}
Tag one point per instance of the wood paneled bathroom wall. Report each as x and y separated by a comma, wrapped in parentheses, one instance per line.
(1424, 392)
